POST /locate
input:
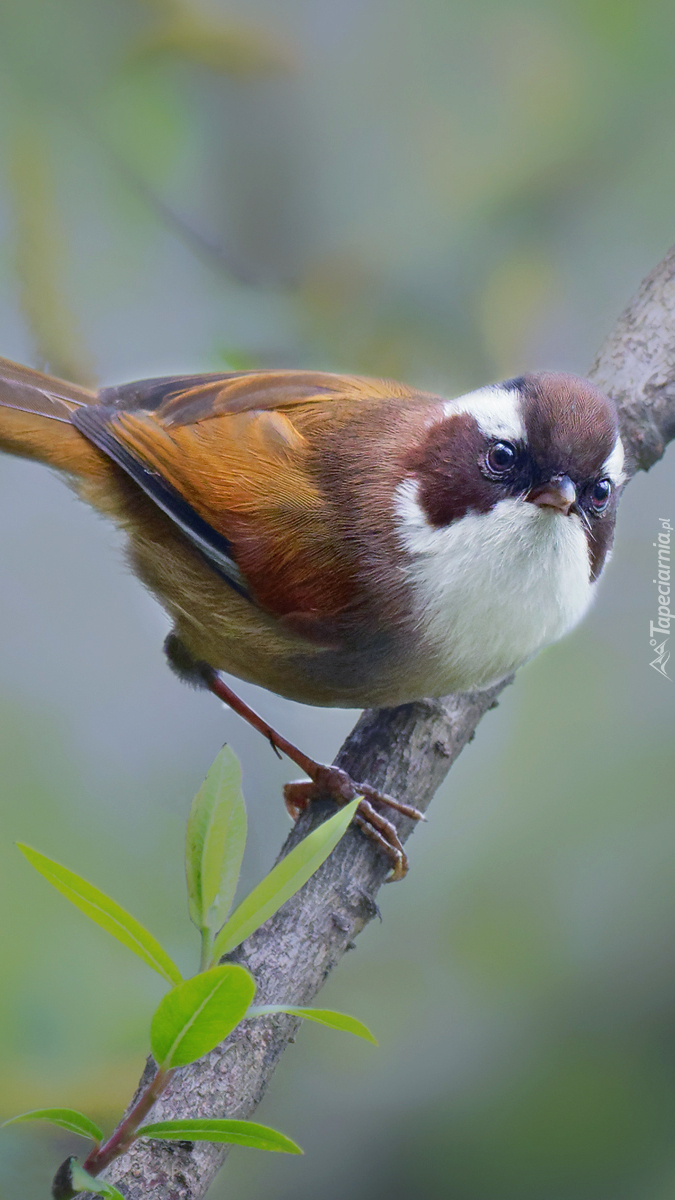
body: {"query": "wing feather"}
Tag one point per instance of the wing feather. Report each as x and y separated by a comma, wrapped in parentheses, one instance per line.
(30, 391)
(232, 459)
(187, 399)
(94, 424)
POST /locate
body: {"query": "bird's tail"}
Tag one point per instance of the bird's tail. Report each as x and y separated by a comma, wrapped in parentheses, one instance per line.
(35, 421)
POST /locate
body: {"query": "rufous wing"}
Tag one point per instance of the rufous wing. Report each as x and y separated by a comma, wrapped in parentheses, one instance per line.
(228, 458)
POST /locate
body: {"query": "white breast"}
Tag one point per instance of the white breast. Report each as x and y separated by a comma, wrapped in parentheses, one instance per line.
(492, 589)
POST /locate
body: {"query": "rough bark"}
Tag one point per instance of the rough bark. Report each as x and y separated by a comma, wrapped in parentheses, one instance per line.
(405, 751)
(636, 366)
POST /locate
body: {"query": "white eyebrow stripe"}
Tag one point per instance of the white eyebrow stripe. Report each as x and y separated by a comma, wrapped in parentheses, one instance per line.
(613, 466)
(495, 409)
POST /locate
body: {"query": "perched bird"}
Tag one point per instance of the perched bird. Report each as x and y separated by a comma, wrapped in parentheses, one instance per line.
(341, 540)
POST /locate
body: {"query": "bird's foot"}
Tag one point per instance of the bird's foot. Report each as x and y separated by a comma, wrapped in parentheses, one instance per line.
(337, 784)
(332, 782)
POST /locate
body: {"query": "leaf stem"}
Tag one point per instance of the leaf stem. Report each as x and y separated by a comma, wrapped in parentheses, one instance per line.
(119, 1141)
(207, 947)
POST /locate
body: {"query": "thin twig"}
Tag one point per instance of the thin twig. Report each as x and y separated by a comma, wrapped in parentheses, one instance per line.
(100, 1156)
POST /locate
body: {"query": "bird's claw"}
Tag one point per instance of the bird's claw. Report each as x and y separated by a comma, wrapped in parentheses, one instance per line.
(335, 783)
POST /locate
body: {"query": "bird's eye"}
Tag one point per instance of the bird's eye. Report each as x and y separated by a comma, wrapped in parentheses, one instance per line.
(500, 457)
(600, 495)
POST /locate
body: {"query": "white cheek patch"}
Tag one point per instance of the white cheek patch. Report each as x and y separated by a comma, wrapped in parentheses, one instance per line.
(496, 411)
(613, 466)
(492, 589)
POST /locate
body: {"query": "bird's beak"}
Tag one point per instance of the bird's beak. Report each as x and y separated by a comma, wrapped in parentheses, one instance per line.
(559, 493)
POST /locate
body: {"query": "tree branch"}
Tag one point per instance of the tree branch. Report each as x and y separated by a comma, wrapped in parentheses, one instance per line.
(636, 367)
(406, 751)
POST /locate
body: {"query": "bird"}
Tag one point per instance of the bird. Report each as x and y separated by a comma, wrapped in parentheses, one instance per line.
(340, 540)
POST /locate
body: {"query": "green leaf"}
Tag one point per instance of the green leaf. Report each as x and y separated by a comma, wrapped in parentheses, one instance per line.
(236, 1133)
(65, 1118)
(322, 1016)
(216, 837)
(105, 912)
(84, 1182)
(283, 881)
(199, 1014)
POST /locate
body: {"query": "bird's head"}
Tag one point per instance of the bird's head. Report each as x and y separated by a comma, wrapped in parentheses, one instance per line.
(549, 441)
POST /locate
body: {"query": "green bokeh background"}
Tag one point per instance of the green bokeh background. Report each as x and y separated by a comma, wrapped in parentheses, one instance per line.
(443, 192)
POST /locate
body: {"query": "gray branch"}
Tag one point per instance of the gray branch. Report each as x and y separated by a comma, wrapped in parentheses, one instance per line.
(406, 751)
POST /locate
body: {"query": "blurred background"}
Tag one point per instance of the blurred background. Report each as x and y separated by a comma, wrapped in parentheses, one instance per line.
(443, 192)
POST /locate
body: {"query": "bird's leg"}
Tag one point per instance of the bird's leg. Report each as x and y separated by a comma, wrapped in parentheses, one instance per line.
(323, 780)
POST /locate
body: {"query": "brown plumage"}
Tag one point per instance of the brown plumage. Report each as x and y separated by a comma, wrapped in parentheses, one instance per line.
(255, 456)
(35, 421)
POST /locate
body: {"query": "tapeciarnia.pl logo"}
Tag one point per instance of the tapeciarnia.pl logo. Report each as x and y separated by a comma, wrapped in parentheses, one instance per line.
(661, 626)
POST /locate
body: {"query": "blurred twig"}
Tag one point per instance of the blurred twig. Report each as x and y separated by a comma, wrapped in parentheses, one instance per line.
(182, 31)
(224, 46)
(212, 252)
(242, 51)
(39, 241)
(405, 751)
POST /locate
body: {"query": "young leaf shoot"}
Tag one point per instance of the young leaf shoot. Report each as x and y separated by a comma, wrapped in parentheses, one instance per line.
(198, 1015)
(65, 1118)
(105, 912)
(322, 1016)
(214, 848)
(236, 1133)
(283, 881)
